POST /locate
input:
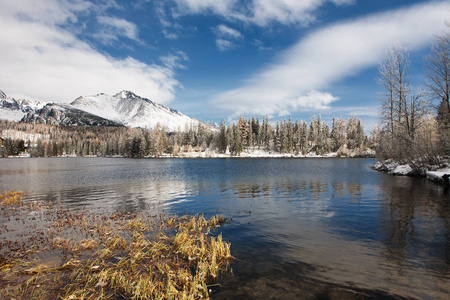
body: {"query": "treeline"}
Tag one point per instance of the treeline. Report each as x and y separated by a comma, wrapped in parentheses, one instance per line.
(294, 137)
(346, 137)
(415, 122)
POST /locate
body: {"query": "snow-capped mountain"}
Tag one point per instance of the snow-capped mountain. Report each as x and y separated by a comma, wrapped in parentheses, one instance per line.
(66, 115)
(131, 110)
(14, 110)
(123, 109)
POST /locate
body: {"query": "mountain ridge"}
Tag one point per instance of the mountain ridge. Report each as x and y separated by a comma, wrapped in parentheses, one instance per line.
(134, 111)
(124, 108)
(14, 110)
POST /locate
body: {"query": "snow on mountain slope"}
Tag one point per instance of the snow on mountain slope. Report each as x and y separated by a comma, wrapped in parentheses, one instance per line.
(100, 105)
(66, 115)
(124, 108)
(131, 110)
(14, 110)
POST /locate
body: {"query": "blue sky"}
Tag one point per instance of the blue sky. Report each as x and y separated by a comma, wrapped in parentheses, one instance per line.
(212, 59)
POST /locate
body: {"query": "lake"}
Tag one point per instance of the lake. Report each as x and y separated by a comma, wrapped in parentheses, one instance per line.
(301, 228)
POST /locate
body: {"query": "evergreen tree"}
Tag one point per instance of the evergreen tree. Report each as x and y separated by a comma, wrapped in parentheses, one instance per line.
(222, 138)
(236, 145)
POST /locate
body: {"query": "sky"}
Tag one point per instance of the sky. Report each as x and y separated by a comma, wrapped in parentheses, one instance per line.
(216, 60)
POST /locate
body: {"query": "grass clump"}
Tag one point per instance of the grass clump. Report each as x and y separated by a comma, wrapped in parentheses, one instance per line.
(118, 256)
(11, 198)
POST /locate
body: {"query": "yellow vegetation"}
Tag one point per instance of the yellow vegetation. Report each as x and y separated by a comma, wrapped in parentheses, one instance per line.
(118, 256)
(11, 198)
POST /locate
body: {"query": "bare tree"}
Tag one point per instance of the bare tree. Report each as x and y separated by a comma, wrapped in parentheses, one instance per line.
(393, 79)
(438, 69)
(387, 81)
(438, 74)
(402, 109)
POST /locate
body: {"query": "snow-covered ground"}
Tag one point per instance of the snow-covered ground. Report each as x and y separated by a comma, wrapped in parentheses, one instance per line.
(431, 172)
(253, 153)
(438, 175)
(22, 135)
(393, 167)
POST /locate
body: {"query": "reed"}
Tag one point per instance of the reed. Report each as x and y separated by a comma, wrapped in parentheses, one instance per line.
(116, 256)
(11, 198)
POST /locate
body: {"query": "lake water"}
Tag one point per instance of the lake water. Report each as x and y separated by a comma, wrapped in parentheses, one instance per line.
(301, 228)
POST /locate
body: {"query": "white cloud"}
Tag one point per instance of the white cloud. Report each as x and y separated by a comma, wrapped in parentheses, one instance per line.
(227, 32)
(259, 12)
(175, 60)
(328, 55)
(114, 28)
(224, 45)
(226, 37)
(222, 7)
(42, 60)
(261, 47)
(170, 30)
(368, 111)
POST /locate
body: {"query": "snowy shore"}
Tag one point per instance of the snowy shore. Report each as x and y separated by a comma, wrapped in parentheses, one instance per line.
(253, 153)
(431, 172)
(259, 153)
(441, 175)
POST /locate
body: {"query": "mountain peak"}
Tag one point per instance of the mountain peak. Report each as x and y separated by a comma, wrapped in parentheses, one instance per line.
(126, 95)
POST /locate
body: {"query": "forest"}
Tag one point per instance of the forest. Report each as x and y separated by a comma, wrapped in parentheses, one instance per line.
(346, 137)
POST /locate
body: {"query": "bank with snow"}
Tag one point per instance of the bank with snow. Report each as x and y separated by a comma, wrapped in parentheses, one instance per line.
(441, 176)
(435, 172)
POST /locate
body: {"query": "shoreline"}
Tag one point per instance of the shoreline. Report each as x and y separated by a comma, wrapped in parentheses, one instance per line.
(213, 154)
(437, 173)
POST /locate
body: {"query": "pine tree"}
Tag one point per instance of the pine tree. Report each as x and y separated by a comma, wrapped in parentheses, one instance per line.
(236, 145)
(250, 138)
(277, 138)
(222, 138)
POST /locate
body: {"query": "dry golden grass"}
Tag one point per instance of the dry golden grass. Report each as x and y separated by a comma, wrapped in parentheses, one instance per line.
(11, 198)
(117, 256)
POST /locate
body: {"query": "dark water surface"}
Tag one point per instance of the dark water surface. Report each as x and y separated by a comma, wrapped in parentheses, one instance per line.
(301, 229)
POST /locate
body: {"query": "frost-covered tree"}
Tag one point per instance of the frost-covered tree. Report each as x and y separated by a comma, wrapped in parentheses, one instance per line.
(222, 141)
(236, 142)
(266, 129)
(338, 134)
(438, 75)
(393, 79)
(402, 109)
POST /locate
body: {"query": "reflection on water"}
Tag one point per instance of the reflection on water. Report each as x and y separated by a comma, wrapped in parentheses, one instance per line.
(302, 228)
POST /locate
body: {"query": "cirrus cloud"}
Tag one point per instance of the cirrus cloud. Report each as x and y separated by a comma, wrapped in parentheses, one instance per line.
(226, 37)
(259, 12)
(296, 81)
(114, 28)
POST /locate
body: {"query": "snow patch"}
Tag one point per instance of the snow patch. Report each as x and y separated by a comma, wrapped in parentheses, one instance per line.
(402, 170)
(438, 175)
(32, 138)
(418, 167)
(393, 167)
